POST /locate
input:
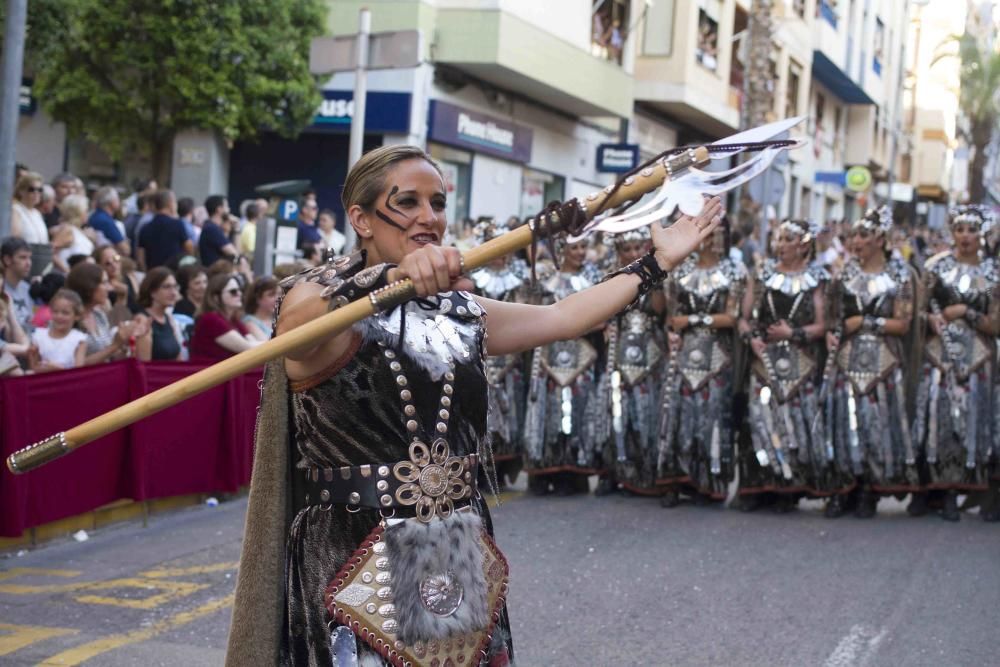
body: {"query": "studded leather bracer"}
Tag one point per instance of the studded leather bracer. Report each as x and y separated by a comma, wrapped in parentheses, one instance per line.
(344, 278)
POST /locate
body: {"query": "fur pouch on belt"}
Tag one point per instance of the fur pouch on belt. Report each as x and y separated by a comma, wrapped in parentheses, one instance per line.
(438, 584)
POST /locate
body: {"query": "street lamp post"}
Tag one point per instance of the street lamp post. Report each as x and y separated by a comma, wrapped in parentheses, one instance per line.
(10, 96)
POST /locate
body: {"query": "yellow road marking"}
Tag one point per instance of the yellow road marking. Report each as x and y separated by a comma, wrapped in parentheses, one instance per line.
(15, 637)
(78, 654)
(185, 571)
(27, 589)
(171, 591)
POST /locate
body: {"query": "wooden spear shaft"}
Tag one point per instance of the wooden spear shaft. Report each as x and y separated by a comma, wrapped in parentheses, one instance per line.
(328, 325)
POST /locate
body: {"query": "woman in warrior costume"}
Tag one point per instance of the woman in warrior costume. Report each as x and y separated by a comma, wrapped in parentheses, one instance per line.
(503, 280)
(625, 406)
(954, 425)
(560, 451)
(786, 327)
(696, 439)
(866, 421)
(351, 512)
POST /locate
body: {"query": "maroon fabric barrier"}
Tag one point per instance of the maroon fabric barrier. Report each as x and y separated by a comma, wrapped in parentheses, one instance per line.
(204, 444)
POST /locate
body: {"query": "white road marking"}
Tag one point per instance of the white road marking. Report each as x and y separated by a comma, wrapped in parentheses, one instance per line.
(857, 648)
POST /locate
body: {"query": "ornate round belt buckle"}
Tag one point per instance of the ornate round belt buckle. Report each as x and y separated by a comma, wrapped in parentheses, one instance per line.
(696, 357)
(564, 358)
(441, 594)
(783, 366)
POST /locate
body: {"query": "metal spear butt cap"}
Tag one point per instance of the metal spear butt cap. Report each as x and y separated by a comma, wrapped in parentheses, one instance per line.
(38, 454)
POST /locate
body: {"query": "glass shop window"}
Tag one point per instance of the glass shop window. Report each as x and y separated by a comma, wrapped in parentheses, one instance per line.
(456, 166)
(792, 89)
(538, 189)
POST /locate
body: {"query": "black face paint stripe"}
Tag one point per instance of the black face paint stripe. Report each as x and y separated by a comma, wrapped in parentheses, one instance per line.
(386, 219)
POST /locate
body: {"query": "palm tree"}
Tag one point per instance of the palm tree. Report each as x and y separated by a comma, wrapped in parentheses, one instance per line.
(979, 99)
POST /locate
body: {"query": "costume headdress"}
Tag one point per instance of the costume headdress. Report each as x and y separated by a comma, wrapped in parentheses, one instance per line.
(979, 217)
(632, 236)
(487, 229)
(807, 229)
(878, 221)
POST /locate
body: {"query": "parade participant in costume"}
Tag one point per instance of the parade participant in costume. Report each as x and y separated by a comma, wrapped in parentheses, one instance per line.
(625, 405)
(866, 424)
(785, 330)
(560, 450)
(369, 445)
(696, 438)
(954, 425)
(504, 280)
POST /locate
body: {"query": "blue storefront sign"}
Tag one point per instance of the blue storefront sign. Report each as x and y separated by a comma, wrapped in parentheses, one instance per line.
(384, 112)
(832, 177)
(617, 158)
(479, 132)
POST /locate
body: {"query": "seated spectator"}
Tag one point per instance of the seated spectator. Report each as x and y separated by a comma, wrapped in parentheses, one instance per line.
(13, 341)
(214, 244)
(63, 185)
(259, 307)
(102, 220)
(157, 294)
(132, 277)
(26, 221)
(43, 291)
(328, 232)
(104, 342)
(15, 256)
(218, 331)
(60, 345)
(73, 212)
(164, 238)
(192, 281)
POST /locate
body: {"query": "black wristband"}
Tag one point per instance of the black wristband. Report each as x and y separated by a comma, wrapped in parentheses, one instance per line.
(649, 272)
(798, 335)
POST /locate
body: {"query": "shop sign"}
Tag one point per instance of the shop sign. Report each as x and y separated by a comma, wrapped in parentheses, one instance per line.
(478, 132)
(617, 158)
(384, 112)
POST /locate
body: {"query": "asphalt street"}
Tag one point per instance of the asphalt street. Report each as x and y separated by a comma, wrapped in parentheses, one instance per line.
(594, 581)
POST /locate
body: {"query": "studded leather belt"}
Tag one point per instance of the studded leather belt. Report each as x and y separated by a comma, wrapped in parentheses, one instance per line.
(429, 482)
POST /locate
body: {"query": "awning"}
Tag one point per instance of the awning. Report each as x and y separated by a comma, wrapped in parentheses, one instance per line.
(838, 83)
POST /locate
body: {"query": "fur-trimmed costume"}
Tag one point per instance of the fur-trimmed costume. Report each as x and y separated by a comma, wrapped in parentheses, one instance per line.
(349, 414)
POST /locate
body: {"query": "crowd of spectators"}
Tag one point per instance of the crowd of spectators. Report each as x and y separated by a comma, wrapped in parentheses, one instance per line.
(92, 276)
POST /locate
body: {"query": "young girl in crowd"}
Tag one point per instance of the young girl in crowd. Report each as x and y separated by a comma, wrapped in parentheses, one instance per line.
(44, 291)
(61, 345)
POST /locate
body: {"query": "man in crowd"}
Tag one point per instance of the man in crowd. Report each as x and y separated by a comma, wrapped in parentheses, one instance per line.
(213, 244)
(134, 222)
(308, 233)
(102, 220)
(15, 256)
(164, 238)
(185, 211)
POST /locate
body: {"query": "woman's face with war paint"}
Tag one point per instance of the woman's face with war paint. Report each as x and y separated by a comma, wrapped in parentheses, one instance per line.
(409, 213)
(966, 239)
